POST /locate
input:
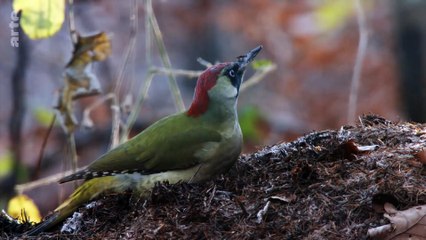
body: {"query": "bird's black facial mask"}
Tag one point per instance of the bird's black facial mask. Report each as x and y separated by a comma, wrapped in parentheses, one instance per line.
(235, 75)
(236, 71)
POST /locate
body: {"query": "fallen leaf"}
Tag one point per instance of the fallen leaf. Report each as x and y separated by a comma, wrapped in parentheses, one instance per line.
(407, 224)
(421, 156)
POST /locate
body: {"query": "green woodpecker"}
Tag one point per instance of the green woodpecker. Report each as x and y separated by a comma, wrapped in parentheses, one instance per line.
(192, 146)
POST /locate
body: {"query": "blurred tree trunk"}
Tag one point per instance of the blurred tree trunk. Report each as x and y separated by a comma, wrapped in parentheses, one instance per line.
(411, 54)
(18, 112)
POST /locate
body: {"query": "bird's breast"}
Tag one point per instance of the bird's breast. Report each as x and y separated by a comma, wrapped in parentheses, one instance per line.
(219, 157)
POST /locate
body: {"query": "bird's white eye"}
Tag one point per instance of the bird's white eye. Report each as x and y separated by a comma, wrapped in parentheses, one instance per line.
(232, 73)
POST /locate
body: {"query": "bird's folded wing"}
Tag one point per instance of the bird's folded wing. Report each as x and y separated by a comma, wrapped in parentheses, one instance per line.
(147, 153)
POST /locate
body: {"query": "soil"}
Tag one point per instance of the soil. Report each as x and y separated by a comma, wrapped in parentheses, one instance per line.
(330, 184)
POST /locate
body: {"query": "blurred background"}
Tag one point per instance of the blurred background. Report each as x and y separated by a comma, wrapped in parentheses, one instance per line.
(313, 43)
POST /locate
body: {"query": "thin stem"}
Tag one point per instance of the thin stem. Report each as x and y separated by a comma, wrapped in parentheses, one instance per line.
(176, 72)
(130, 51)
(144, 88)
(362, 47)
(203, 62)
(135, 110)
(134, 21)
(151, 26)
(73, 32)
(73, 149)
(115, 132)
(130, 47)
(20, 188)
(43, 147)
(148, 33)
(257, 77)
(165, 57)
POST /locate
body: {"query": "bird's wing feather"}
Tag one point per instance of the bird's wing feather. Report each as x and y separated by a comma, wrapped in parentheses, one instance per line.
(169, 144)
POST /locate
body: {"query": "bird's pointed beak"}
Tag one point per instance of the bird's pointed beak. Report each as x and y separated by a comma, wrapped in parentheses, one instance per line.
(244, 60)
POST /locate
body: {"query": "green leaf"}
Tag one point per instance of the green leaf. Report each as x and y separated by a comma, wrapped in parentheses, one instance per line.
(40, 18)
(249, 117)
(43, 116)
(6, 164)
(261, 63)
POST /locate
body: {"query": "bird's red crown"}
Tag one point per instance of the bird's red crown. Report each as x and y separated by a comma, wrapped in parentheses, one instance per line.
(205, 82)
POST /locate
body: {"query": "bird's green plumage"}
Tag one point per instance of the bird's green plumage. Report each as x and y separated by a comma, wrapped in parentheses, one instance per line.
(169, 144)
(178, 141)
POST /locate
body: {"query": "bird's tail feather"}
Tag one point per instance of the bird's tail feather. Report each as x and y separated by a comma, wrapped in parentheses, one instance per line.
(86, 192)
(139, 183)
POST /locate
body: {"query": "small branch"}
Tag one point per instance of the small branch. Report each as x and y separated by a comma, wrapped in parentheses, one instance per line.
(115, 137)
(20, 188)
(362, 47)
(203, 62)
(73, 32)
(176, 72)
(73, 149)
(130, 47)
(115, 132)
(43, 147)
(135, 110)
(144, 87)
(165, 57)
(257, 77)
(209, 202)
(148, 33)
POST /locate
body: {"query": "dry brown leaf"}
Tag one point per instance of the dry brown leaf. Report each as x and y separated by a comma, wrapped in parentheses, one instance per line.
(354, 148)
(407, 224)
(421, 156)
(79, 80)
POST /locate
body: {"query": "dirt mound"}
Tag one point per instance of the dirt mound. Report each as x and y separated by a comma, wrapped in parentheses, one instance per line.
(325, 185)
